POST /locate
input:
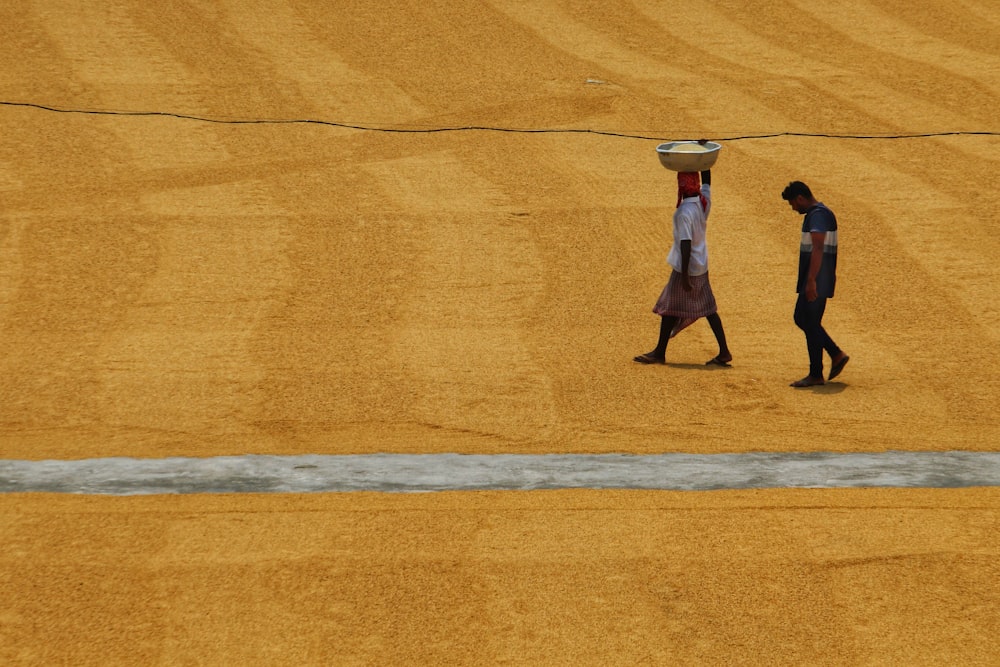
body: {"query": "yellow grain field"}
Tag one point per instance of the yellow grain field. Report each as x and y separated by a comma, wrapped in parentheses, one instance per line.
(186, 282)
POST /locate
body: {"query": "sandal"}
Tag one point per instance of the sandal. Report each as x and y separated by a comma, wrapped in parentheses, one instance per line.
(647, 358)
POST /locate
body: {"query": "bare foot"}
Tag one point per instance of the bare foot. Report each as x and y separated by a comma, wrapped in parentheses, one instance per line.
(838, 365)
(650, 358)
(807, 381)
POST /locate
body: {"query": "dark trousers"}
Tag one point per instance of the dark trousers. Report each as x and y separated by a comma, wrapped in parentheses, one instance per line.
(809, 318)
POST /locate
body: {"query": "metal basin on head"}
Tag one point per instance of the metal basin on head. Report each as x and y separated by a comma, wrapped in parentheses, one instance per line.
(688, 155)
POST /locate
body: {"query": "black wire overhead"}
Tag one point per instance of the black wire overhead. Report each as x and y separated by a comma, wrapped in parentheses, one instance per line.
(475, 128)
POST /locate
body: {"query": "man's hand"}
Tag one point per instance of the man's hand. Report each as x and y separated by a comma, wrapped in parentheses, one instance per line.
(811, 292)
(686, 283)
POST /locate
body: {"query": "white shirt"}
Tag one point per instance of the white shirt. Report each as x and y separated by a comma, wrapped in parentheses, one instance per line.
(691, 224)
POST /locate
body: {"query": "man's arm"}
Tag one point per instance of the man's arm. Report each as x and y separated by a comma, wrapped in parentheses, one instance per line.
(706, 176)
(685, 264)
(815, 262)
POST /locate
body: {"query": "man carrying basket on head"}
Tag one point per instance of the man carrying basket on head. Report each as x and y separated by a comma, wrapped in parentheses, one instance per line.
(688, 294)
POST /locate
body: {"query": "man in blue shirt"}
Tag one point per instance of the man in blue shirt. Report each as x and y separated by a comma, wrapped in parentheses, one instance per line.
(817, 281)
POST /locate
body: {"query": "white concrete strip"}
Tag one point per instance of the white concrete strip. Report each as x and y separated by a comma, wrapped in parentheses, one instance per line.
(461, 472)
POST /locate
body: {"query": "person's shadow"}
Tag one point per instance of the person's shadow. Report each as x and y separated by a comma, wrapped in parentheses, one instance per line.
(827, 388)
(699, 367)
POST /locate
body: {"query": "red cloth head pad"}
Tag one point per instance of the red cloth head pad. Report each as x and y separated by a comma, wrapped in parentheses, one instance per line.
(689, 185)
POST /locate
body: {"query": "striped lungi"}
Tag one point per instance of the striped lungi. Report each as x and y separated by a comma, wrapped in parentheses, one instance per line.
(688, 306)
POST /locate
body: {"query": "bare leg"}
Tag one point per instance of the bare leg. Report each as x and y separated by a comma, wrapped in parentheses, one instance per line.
(658, 355)
(720, 336)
